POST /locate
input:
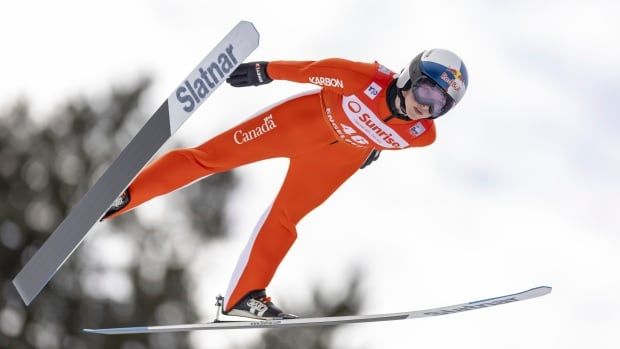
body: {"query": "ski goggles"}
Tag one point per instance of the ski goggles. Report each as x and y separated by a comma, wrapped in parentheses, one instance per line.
(427, 92)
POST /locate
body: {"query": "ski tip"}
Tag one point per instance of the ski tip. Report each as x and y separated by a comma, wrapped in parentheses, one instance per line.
(527, 294)
(541, 290)
(534, 292)
(244, 22)
(250, 26)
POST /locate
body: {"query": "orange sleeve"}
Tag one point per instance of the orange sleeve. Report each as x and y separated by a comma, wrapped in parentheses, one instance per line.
(335, 74)
(427, 138)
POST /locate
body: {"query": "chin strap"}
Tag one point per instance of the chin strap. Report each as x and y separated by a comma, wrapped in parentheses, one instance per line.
(401, 98)
(397, 111)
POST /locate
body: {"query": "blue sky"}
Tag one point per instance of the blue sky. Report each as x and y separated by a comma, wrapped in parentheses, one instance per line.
(520, 189)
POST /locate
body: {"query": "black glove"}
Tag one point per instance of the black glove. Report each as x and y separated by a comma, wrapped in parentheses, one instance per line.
(372, 157)
(249, 74)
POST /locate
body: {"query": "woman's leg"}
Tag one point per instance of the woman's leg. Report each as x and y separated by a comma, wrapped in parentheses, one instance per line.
(281, 131)
(310, 180)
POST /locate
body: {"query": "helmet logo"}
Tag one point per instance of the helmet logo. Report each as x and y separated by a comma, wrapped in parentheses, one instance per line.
(451, 75)
(457, 73)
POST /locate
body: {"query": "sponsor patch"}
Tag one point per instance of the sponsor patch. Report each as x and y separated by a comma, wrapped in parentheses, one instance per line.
(244, 136)
(417, 129)
(326, 81)
(365, 120)
(373, 90)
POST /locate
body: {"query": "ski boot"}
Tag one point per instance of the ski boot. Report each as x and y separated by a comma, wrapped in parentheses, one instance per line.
(257, 305)
(118, 204)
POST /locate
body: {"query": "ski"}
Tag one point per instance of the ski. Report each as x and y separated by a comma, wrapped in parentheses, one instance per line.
(234, 48)
(336, 320)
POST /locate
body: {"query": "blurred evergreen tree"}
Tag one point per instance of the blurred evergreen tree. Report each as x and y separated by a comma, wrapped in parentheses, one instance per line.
(45, 168)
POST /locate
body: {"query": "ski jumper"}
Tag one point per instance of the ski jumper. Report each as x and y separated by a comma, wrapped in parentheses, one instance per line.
(327, 134)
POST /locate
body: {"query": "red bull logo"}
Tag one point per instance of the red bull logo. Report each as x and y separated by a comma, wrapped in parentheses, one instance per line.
(452, 80)
(457, 73)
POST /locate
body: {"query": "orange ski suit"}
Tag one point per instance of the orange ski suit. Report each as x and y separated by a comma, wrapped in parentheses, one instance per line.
(327, 134)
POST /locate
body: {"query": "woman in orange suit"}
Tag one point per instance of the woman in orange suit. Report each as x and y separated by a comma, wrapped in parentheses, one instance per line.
(360, 110)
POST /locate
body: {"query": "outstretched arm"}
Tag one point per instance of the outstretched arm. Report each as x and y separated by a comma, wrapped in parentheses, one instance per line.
(335, 74)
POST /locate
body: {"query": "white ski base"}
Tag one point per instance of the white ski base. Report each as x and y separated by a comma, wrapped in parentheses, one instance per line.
(336, 320)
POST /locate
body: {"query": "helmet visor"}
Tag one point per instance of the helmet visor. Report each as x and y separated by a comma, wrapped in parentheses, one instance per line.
(427, 92)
